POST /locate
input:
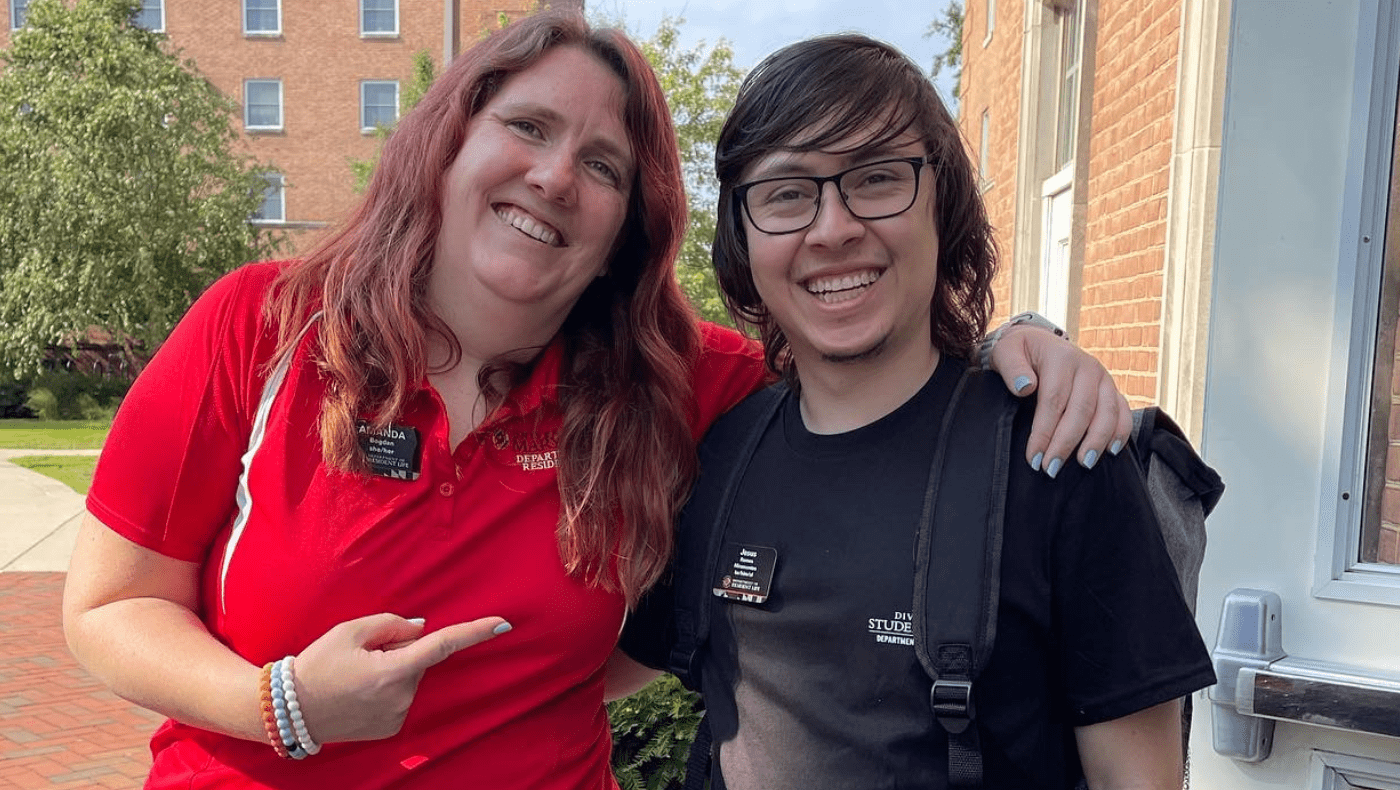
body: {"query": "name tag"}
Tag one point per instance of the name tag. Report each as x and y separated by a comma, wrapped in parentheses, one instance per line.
(392, 452)
(745, 573)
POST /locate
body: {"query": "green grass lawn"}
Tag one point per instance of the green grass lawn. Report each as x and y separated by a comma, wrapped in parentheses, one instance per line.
(53, 434)
(74, 471)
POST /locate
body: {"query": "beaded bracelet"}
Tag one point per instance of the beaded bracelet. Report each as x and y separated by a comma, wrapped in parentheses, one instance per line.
(294, 709)
(279, 709)
(268, 714)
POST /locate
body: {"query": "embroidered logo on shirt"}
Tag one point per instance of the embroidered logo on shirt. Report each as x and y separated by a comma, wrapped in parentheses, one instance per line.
(535, 453)
(897, 630)
(531, 462)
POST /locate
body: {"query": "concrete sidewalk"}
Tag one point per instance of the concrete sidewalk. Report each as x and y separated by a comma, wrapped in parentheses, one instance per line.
(59, 726)
(39, 516)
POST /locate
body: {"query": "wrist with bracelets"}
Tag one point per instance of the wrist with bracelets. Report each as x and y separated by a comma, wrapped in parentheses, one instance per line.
(281, 710)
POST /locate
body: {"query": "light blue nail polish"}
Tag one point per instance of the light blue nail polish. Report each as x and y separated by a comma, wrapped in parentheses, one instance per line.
(1021, 383)
(1035, 462)
(417, 620)
(1116, 447)
(502, 628)
(1054, 467)
(1091, 458)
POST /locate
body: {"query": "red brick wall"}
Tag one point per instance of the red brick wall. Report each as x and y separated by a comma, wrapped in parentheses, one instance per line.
(991, 83)
(1134, 96)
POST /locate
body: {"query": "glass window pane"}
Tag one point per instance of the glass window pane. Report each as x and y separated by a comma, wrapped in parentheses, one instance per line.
(260, 16)
(262, 104)
(377, 16)
(379, 104)
(149, 16)
(1380, 525)
(19, 9)
(273, 208)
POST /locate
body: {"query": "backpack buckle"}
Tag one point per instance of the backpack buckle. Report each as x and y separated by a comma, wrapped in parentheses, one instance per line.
(951, 701)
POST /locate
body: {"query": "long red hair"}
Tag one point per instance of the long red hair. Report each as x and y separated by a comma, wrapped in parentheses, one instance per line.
(626, 457)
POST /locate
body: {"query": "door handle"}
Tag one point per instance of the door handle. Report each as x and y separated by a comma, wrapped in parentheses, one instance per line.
(1258, 683)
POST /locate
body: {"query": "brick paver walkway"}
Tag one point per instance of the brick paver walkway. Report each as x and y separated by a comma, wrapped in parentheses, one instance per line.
(59, 727)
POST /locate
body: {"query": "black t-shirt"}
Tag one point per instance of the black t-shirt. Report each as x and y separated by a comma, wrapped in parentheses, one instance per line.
(819, 685)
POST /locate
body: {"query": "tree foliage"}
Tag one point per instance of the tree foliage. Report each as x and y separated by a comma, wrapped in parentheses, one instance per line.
(700, 84)
(120, 197)
(949, 26)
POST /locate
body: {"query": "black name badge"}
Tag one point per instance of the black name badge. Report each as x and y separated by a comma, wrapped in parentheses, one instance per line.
(391, 452)
(745, 573)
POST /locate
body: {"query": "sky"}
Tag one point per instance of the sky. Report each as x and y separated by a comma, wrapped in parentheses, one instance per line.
(756, 27)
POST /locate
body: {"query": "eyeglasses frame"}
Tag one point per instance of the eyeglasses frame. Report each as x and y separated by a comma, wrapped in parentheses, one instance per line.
(741, 192)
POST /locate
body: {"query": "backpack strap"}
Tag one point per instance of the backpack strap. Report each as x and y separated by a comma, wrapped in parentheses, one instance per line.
(738, 434)
(957, 560)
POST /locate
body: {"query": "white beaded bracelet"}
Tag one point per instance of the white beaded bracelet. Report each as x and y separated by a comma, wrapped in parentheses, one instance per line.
(282, 714)
(303, 737)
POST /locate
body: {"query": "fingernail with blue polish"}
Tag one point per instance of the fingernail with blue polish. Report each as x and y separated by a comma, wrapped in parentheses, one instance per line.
(502, 628)
(1054, 467)
(1091, 458)
(1021, 383)
(1035, 462)
(417, 620)
(1116, 447)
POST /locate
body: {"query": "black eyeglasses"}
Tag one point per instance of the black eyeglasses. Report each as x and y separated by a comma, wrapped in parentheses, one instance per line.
(871, 191)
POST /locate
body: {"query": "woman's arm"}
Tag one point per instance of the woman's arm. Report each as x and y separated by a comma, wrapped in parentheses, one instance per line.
(1078, 405)
(1140, 751)
(624, 677)
(129, 615)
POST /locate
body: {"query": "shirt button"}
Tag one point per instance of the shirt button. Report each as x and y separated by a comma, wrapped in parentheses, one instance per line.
(445, 489)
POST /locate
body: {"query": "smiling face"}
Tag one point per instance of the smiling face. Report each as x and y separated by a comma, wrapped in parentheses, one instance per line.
(845, 289)
(534, 202)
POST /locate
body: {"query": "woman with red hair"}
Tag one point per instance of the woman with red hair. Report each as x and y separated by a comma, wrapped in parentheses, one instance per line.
(373, 518)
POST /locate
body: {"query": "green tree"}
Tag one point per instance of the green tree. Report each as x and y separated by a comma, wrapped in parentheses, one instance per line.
(120, 197)
(700, 84)
(423, 76)
(949, 27)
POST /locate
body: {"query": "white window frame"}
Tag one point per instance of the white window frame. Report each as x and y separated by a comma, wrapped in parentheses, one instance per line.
(19, 12)
(366, 33)
(1338, 573)
(275, 31)
(281, 115)
(367, 128)
(991, 21)
(151, 5)
(276, 187)
(984, 142)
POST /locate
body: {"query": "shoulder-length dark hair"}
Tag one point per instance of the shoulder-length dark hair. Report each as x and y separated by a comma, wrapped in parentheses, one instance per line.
(626, 456)
(815, 95)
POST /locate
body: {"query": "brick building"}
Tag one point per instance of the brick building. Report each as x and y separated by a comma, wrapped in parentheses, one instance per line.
(312, 80)
(1207, 194)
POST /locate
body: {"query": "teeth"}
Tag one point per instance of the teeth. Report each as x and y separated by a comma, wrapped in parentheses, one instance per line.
(527, 225)
(827, 287)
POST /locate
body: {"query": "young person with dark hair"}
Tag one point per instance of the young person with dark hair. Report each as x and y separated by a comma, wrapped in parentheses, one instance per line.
(472, 410)
(852, 235)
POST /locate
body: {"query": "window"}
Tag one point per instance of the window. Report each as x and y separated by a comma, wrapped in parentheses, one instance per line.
(986, 139)
(379, 104)
(379, 17)
(1067, 113)
(19, 9)
(262, 17)
(151, 15)
(991, 21)
(262, 104)
(274, 202)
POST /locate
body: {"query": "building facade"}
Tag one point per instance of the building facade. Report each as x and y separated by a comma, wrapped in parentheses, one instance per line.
(1205, 192)
(312, 81)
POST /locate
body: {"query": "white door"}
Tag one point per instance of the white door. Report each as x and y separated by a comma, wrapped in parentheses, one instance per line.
(1297, 410)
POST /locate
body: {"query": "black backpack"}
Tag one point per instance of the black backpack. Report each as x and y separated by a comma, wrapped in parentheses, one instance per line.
(954, 628)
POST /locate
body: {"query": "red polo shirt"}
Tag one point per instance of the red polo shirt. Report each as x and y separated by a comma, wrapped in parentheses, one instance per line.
(473, 536)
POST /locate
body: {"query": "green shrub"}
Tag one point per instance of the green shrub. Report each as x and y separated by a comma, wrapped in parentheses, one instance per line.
(43, 403)
(69, 395)
(652, 731)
